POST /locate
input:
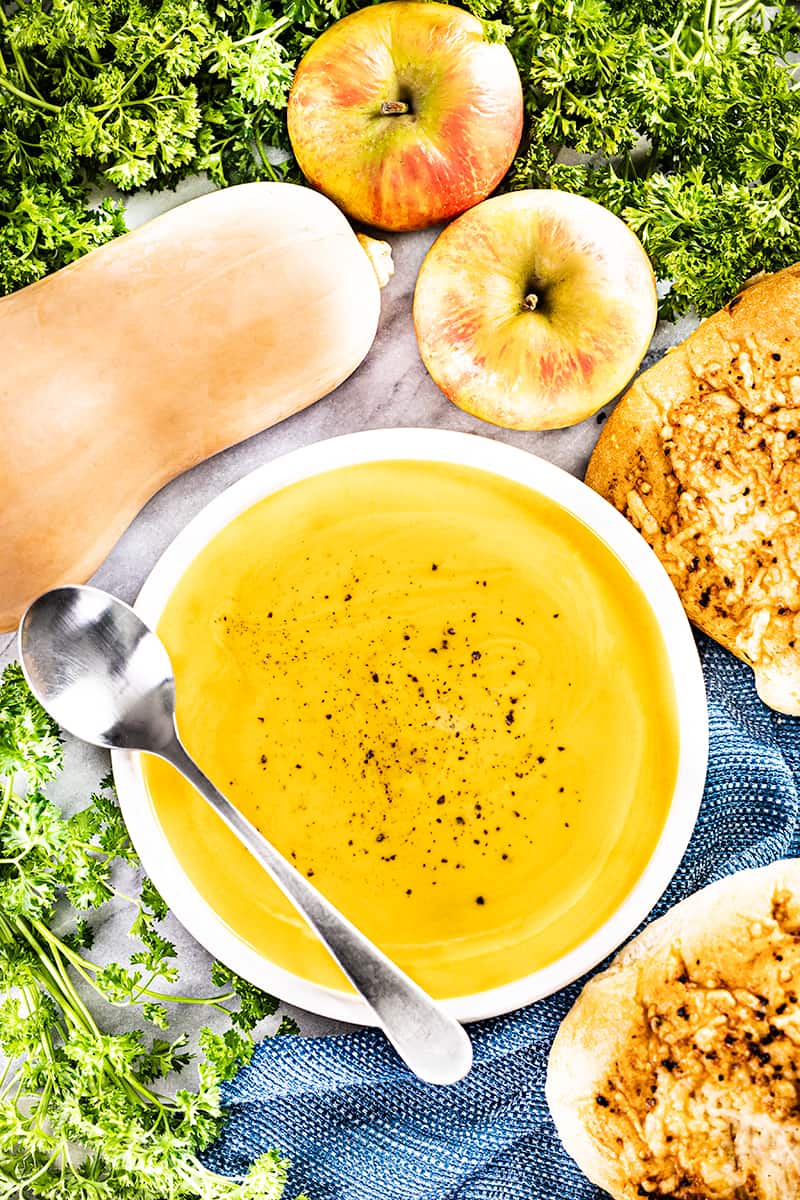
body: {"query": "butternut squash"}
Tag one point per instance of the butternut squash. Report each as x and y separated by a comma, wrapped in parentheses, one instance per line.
(134, 363)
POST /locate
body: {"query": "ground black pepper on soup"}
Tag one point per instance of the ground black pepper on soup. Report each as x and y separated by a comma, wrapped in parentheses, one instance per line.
(442, 697)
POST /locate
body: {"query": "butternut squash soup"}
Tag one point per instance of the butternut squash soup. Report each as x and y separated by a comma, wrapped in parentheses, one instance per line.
(443, 698)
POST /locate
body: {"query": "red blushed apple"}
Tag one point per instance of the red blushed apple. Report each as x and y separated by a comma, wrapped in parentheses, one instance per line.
(404, 115)
(534, 309)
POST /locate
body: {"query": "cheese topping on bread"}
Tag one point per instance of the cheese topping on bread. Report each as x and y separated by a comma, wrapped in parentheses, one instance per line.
(677, 1072)
(703, 456)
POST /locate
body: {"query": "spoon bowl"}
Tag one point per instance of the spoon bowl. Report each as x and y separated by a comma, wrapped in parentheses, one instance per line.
(100, 672)
(106, 677)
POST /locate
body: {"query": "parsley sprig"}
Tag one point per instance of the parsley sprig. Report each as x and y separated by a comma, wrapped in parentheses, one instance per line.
(84, 1114)
(127, 93)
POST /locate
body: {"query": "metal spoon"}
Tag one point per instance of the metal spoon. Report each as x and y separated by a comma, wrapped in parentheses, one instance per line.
(105, 677)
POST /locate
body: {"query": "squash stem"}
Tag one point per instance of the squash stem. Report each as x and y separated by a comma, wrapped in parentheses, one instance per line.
(380, 256)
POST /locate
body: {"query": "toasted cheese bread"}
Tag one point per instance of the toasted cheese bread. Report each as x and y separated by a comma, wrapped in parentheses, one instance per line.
(702, 455)
(677, 1071)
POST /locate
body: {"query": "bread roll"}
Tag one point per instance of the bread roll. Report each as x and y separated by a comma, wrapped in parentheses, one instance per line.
(677, 1071)
(702, 455)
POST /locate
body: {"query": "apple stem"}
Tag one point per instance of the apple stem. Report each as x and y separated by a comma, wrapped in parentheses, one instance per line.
(530, 301)
(393, 108)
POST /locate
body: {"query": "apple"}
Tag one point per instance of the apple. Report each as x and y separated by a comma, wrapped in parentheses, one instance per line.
(404, 115)
(534, 309)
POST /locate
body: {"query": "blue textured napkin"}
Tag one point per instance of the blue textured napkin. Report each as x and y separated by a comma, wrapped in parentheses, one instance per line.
(358, 1126)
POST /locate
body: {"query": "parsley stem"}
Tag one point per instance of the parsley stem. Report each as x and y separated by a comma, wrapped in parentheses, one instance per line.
(674, 46)
(79, 964)
(44, 1168)
(55, 945)
(45, 1040)
(41, 1109)
(6, 799)
(109, 106)
(72, 1004)
(149, 101)
(75, 1011)
(146, 1093)
(271, 31)
(741, 11)
(710, 19)
(267, 165)
(214, 1001)
(34, 100)
(23, 70)
(59, 984)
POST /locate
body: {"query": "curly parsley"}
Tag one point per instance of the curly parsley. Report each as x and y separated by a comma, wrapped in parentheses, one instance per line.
(684, 115)
(81, 1114)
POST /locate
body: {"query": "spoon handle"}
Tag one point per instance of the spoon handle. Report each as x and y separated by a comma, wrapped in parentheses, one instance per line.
(429, 1041)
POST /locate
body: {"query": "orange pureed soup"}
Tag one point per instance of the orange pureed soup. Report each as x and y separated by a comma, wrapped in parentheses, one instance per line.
(442, 697)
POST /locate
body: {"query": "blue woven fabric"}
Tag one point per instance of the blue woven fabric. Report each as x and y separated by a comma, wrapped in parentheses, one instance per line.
(358, 1126)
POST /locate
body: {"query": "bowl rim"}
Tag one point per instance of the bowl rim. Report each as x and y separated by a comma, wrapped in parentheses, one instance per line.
(545, 478)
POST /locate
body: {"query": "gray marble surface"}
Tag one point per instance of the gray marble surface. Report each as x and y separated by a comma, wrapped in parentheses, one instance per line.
(391, 388)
